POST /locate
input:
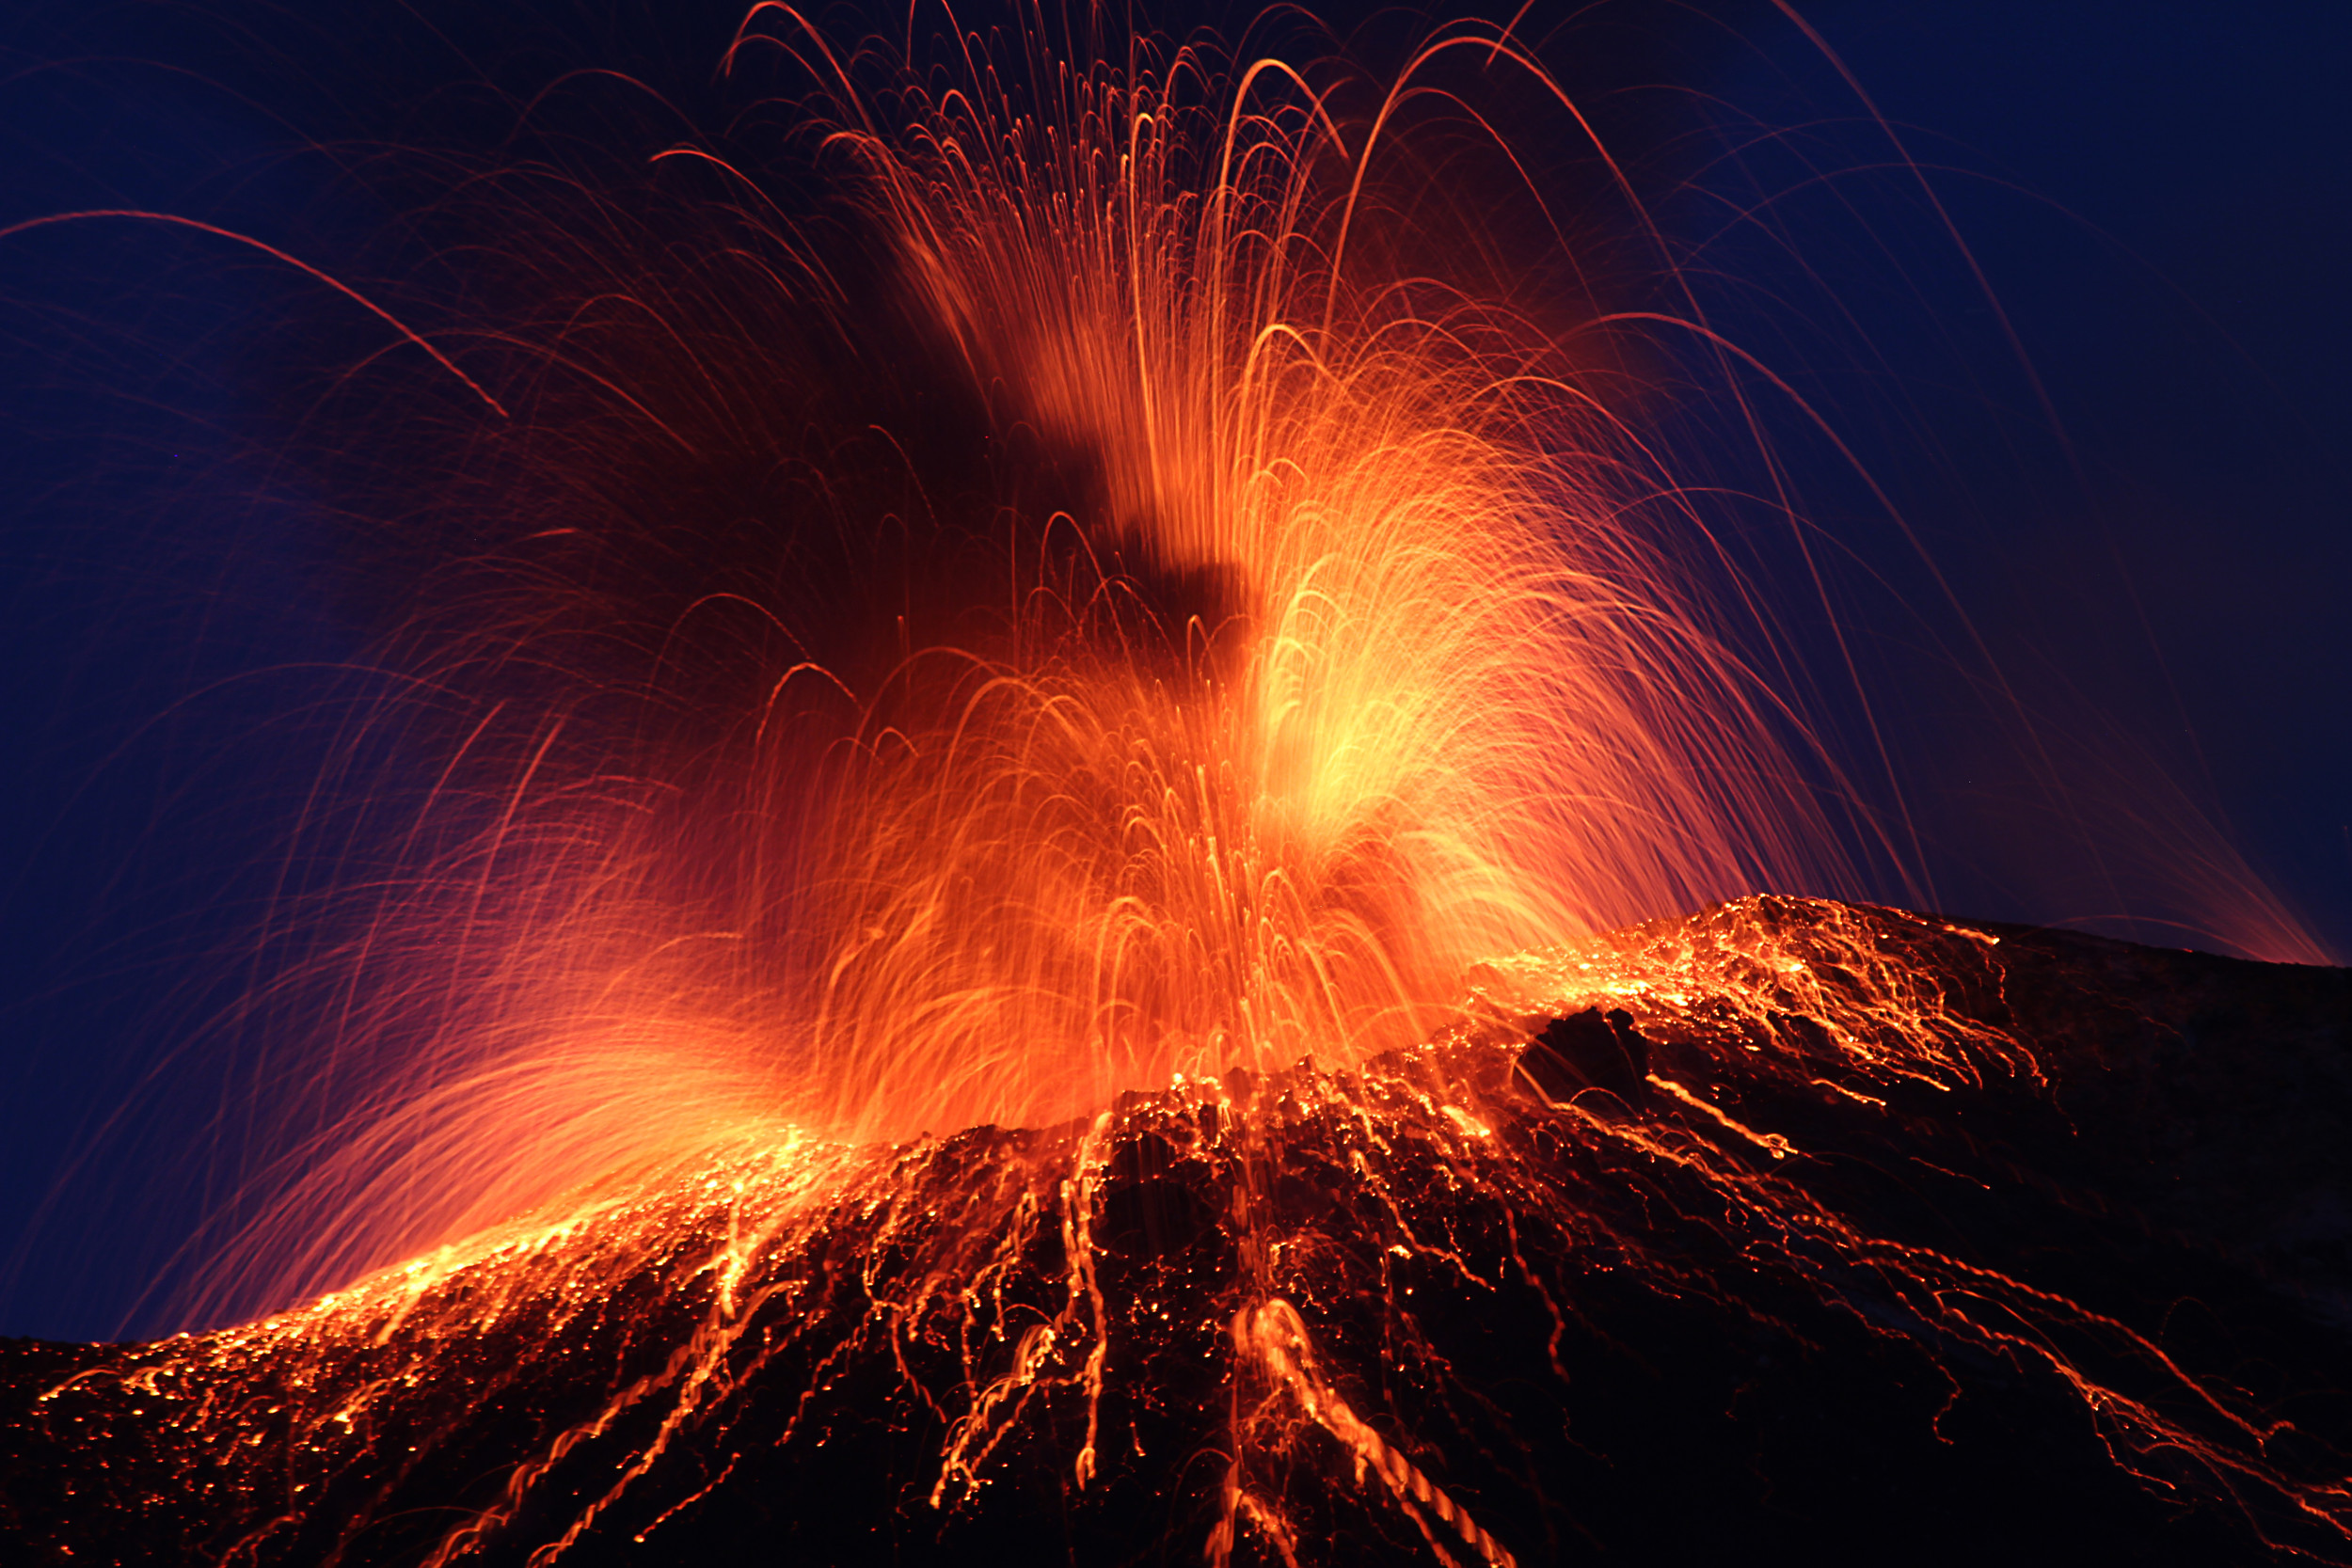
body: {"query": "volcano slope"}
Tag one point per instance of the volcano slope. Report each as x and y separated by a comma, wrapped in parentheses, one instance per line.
(1790, 1231)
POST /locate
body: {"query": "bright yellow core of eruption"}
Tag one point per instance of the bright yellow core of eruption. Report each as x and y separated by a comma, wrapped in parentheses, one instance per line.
(1434, 692)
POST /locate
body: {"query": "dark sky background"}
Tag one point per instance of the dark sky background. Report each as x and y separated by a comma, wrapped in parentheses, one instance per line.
(2158, 193)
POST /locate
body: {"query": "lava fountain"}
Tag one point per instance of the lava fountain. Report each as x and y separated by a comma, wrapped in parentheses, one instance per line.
(1200, 674)
(1352, 646)
(1172, 637)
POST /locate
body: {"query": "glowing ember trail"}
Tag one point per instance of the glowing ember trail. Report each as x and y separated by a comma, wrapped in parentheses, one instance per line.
(1125, 985)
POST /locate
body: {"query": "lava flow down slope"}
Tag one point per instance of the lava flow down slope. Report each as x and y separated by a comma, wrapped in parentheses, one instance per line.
(1059, 723)
(1782, 1231)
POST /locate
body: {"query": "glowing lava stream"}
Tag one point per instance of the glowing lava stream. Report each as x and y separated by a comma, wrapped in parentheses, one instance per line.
(1367, 652)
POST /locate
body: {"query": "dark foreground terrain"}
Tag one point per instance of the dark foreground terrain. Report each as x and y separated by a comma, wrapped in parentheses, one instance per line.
(1793, 1232)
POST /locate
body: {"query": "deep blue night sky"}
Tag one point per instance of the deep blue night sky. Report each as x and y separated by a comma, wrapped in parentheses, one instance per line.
(2159, 194)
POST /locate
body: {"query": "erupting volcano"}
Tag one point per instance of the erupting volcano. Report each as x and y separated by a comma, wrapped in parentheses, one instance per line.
(1073, 735)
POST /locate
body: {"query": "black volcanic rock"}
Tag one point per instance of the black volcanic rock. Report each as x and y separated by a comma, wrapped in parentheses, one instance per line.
(1591, 1049)
(1791, 1232)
